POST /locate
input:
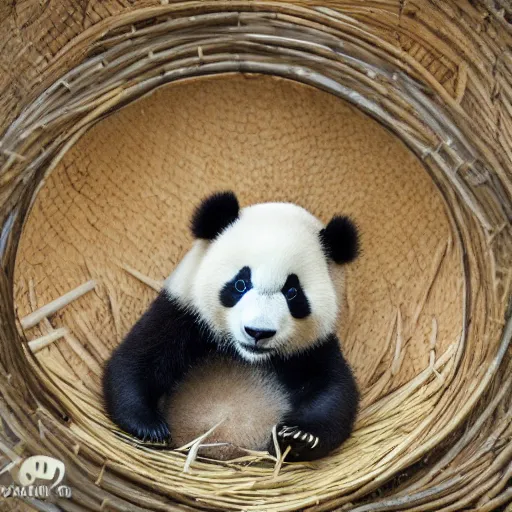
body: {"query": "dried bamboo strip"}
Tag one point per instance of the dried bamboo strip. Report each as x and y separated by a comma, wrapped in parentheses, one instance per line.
(43, 341)
(83, 354)
(91, 337)
(152, 283)
(49, 309)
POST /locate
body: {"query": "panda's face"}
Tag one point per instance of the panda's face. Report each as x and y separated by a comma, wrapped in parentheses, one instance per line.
(264, 285)
(262, 321)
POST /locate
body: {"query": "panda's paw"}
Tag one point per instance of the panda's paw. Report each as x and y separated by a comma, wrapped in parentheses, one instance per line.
(151, 428)
(300, 441)
(157, 432)
(293, 435)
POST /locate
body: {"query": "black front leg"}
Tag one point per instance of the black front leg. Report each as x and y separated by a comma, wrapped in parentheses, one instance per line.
(320, 424)
(324, 400)
(154, 355)
(131, 398)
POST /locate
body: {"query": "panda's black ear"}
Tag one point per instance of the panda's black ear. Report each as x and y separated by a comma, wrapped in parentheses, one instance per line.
(214, 214)
(340, 239)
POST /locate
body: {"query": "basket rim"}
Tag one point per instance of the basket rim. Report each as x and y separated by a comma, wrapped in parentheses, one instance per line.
(443, 147)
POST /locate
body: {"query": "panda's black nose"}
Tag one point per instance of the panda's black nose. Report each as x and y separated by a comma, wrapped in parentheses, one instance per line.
(259, 334)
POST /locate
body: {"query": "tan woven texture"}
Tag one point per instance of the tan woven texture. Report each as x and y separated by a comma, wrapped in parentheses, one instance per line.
(118, 117)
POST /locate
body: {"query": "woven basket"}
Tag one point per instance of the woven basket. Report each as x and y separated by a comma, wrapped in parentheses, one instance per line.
(396, 112)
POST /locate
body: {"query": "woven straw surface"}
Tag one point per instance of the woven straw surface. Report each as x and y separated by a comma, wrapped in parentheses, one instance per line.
(85, 195)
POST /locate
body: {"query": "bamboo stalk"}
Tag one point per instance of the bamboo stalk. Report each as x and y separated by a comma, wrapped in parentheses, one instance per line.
(152, 283)
(49, 309)
(43, 341)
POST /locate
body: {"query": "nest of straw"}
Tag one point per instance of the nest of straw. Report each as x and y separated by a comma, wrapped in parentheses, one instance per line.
(437, 437)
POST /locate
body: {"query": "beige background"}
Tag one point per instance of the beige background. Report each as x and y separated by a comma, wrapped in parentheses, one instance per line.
(126, 191)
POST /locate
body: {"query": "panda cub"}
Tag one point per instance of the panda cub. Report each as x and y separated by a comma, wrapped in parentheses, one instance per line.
(243, 336)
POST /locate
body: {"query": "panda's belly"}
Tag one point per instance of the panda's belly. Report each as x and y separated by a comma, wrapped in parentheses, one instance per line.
(247, 400)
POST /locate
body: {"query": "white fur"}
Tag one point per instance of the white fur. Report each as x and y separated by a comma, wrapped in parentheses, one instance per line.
(179, 283)
(274, 240)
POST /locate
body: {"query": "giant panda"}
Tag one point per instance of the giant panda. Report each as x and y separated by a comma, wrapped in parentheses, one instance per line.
(242, 336)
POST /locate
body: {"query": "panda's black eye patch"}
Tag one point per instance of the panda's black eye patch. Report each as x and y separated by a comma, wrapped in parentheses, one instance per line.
(297, 301)
(234, 290)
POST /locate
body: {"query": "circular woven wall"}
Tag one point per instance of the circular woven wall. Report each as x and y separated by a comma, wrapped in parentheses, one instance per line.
(354, 108)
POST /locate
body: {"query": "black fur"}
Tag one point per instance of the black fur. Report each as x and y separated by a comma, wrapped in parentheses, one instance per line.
(168, 339)
(229, 295)
(215, 214)
(154, 355)
(297, 303)
(324, 398)
(340, 240)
